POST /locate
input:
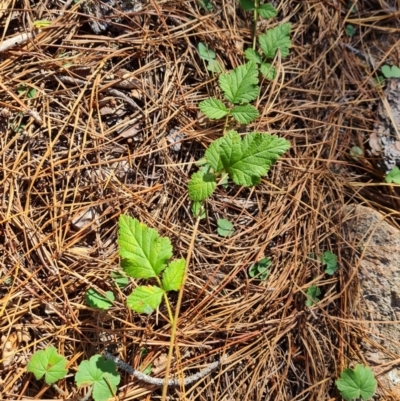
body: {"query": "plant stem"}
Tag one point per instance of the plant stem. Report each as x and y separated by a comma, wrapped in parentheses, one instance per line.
(177, 310)
(170, 315)
(255, 18)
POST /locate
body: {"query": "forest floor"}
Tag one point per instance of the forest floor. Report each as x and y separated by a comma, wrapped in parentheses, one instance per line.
(99, 117)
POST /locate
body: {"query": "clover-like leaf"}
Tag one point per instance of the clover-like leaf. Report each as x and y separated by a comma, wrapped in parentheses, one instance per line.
(101, 374)
(330, 260)
(96, 300)
(173, 275)
(225, 228)
(357, 383)
(391, 72)
(247, 160)
(244, 114)
(213, 108)
(393, 175)
(274, 39)
(201, 186)
(241, 84)
(260, 270)
(205, 53)
(144, 253)
(48, 363)
(145, 298)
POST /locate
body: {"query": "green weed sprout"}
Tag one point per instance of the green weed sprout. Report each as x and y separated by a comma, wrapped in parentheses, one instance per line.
(208, 56)
(393, 176)
(260, 270)
(356, 383)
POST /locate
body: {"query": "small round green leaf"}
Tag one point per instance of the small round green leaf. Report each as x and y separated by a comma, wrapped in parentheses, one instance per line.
(393, 176)
(101, 374)
(357, 383)
(145, 299)
(225, 228)
(48, 363)
(391, 72)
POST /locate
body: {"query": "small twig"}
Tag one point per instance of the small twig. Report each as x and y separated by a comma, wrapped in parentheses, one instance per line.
(160, 382)
(15, 41)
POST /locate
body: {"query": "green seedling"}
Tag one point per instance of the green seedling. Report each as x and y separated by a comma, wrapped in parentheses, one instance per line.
(245, 160)
(96, 300)
(356, 383)
(350, 30)
(208, 56)
(274, 39)
(207, 5)
(312, 293)
(393, 176)
(225, 228)
(198, 210)
(390, 71)
(330, 260)
(144, 255)
(260, 270)
(101, 374)
(48, 363)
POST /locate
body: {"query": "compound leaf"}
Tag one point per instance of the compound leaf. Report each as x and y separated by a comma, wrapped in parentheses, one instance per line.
(241, 84)
(357, 383)
(244, 114)
(101, 374)
(201, 186)
(267, 11)
(213, 108)
(274, 39)
(48, 363)
(96, 300)
(173, 275)
(247, 160)
(144, 253)
(393, 176)
(145, 298)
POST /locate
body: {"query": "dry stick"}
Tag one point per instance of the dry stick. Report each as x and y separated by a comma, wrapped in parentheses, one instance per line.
(164, 382)
(15, 41)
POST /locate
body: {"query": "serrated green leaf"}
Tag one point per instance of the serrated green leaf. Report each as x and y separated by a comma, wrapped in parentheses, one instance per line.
(201, 186)
(199, 210)
(274, 39)
(144, 253)
(48, 363)
(225, 228)
(350, 30)
(313, 293)
(247, 5)
(244, 114)
(330, 260)
(213, 108)
(268, 71)
(241, 84)
(393, 175)
(214, 66)
(267, 11)
(96, 300)
(120, 279)
(173, 275)
(252, 55)
(391, 72)
(145, 298)
(247, 160)
(101, 374)
(205, 53)
(357, 383)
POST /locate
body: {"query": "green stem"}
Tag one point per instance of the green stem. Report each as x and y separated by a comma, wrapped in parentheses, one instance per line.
(177, 310)
(171, 316)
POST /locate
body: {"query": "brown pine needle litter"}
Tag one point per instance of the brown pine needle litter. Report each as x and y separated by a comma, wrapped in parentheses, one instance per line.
(114, 127)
